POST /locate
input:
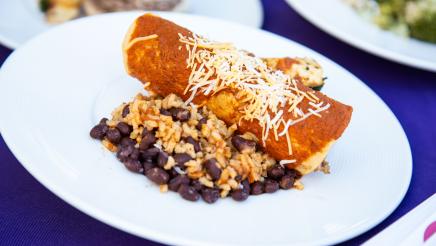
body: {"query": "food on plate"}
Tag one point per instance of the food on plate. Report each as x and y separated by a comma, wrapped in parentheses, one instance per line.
(92, 7)
(295, 124)
(219, 121)
(305, 70)
(187, 149)
(58, 11)
(412, 18)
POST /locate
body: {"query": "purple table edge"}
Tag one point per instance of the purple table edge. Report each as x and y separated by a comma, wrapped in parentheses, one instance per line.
(30, 214)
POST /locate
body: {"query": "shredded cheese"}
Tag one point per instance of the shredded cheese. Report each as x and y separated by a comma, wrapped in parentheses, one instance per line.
(139, 39)
(265, 93)
(285, 162)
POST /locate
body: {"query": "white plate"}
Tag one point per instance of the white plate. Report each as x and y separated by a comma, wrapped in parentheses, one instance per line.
(339, 20)
(57, 86)
(20, 20)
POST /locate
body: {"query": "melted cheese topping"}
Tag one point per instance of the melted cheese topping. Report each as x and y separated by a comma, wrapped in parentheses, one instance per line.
(264, 92)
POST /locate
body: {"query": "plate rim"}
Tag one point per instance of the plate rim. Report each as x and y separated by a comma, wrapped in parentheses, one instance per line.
(156, 236)
(8, 43)
(362, 44)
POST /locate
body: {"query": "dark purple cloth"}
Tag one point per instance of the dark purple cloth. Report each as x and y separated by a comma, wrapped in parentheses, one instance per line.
(30, 214)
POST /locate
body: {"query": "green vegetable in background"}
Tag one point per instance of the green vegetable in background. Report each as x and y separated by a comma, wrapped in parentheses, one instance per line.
(318, 88)
(391, 13)
(44, 5)
(424, 28)
(421, 19)
(414, 18)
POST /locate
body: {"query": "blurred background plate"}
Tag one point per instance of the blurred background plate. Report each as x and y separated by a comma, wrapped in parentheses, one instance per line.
(60, 83)
(20, 20)
(339, 20)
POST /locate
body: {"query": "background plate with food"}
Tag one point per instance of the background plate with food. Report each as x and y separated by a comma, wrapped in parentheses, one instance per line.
(361, 30)
(20, 20)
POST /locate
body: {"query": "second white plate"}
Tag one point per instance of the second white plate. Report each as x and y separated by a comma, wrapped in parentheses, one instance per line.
(56, 87)
(20, 20)
(339, 20)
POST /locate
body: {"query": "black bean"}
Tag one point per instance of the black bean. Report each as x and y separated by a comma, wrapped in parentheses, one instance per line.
(200, 123)
(124, 152)
(113, 135)
(165, 112)
(103, 121)
(194, 143)
(189, 193)
(212, 169)
(162, 159)
(135, 154)
(257, 188)
(238, 178)
(148, 164)
(147, 140)
(239, 195)
(150, 160)
(287, 182)
(145, 132)
(127, 141)
(196, 185)
(126, 111)
(177, 181)
(98, 132)
(276, 172)
(210, 195)
(293, 173)
(150, 153)
(259, 147)
(173, 173)
(182, 158)
(124, 128)
(158, 175)
(180, 114)
(134, 165)
(246, 186)
(242, 144)
(271, 186)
